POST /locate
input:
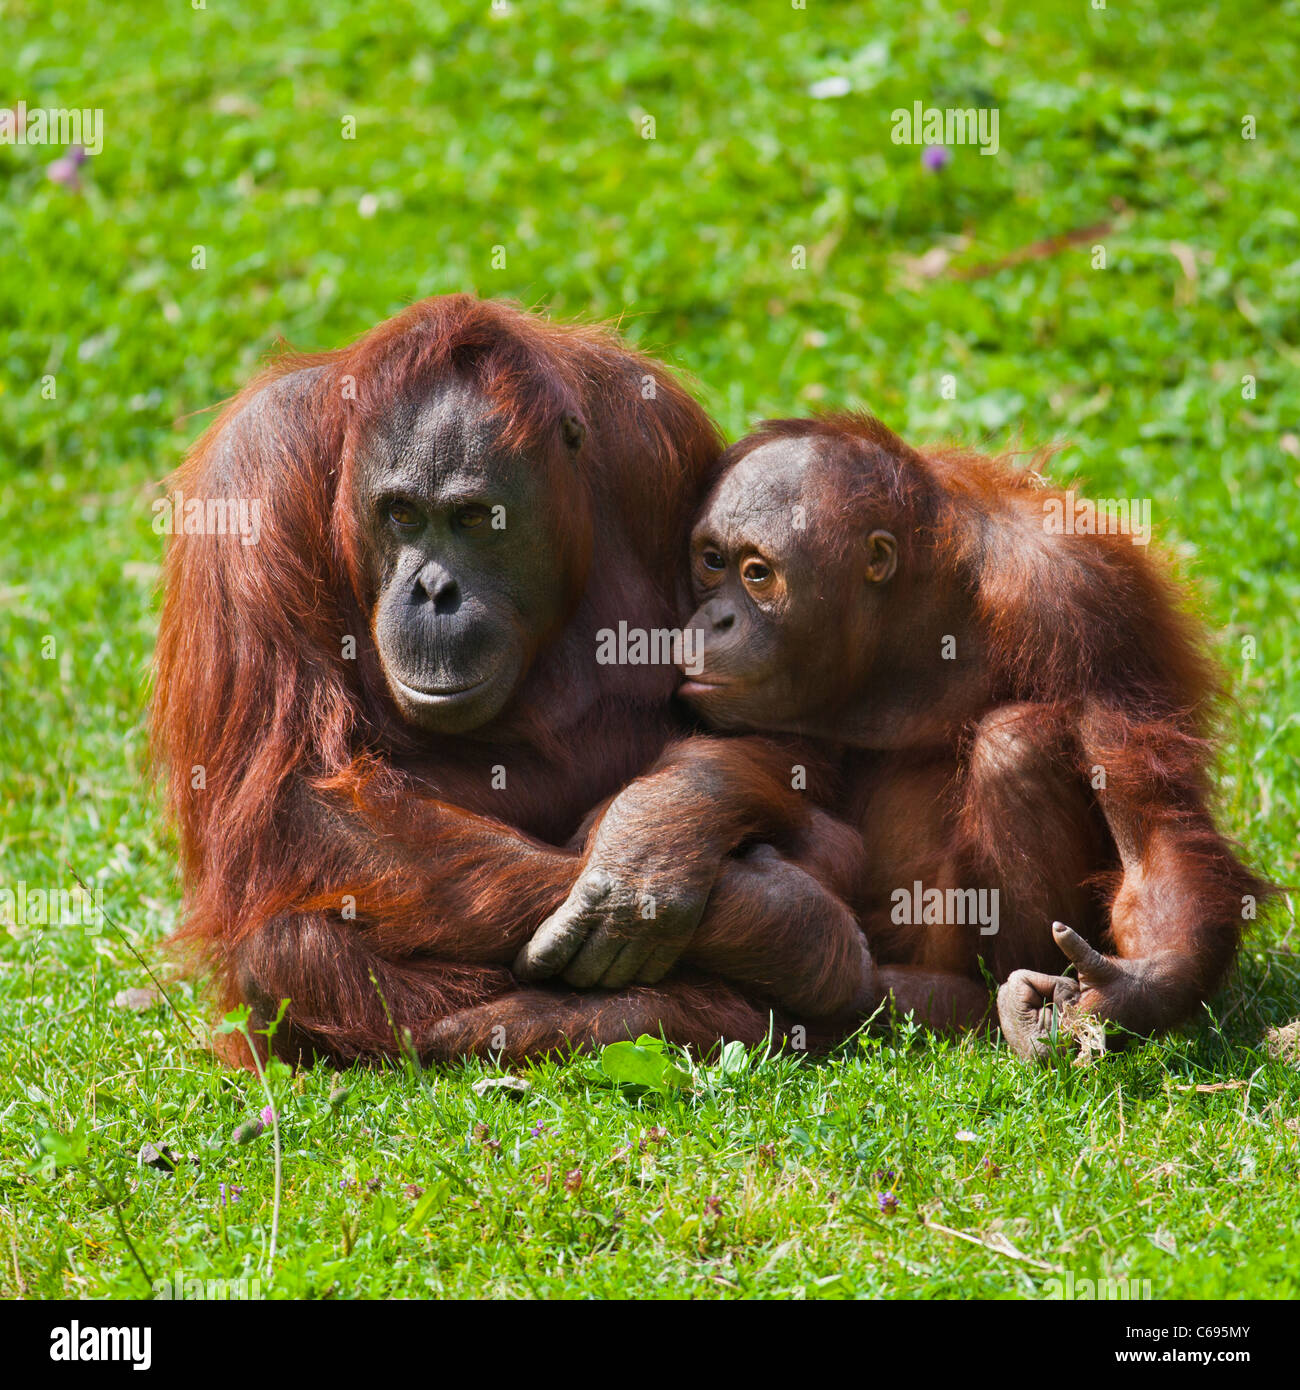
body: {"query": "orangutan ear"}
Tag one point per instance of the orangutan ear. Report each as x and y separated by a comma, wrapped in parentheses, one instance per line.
(882, 556)
(574, 431)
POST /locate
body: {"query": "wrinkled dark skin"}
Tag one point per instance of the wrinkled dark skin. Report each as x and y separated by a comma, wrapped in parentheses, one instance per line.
(1112, 989)
(455, 534)
(602, 935)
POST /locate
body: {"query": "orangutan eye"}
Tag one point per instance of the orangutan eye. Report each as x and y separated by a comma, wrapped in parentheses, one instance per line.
(469, 518)
(403, 513)
(712, 560)
(755, 573)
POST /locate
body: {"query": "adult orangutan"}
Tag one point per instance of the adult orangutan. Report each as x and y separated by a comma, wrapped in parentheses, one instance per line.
(1018, 711)
(383, 720)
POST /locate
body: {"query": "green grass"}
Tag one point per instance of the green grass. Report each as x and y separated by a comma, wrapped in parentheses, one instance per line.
(223, 129)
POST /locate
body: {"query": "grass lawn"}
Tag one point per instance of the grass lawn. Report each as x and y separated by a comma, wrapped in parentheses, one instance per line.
(506, 153)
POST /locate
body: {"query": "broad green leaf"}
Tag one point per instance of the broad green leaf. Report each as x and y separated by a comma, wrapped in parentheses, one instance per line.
(637, 1064)
(734, 1060)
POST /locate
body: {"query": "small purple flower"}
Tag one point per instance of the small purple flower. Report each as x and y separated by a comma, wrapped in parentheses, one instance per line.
(227, 1194)
(267, 1116)
(934, 157)
(64, 173)
(713, 1206)
(346, 1183)
(884, 1176)
(538, 1130)
(887, 1203)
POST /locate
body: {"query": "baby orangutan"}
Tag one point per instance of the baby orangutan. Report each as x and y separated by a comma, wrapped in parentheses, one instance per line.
(1015, 711)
